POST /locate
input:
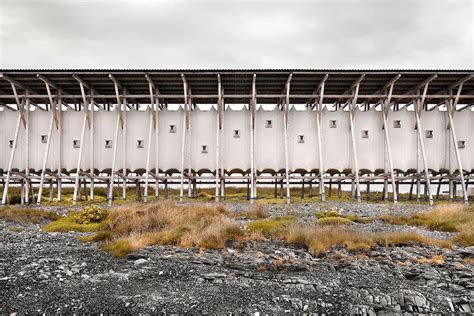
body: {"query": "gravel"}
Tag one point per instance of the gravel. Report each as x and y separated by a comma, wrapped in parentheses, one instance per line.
(56, 273)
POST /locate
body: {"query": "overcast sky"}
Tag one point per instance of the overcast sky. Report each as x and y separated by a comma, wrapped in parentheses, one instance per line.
(236, 34)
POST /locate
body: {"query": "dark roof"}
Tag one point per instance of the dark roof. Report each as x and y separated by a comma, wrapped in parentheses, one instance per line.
(235, 81)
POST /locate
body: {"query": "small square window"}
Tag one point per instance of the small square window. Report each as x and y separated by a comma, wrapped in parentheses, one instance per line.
(76, 143)
(268, 124)
(300, 138)
(429, 133)
(332, 124)
(365, 133)
(397, 124)
(10, 143)
(44, 139)
(140, 143)
(236, 133)
(172, 128)
(461, 144)
(204, 149)
(108, 143)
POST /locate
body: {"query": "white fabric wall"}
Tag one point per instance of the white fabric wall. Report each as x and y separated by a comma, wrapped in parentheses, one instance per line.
(203, 132)
(437, 153)
(170, 143)
(370, 151)
(302, 155)
(269, 142)
(403, 140)
(336, 142)
(236, 150)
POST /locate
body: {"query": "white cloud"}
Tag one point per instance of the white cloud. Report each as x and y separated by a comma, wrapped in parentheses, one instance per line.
(231, 34)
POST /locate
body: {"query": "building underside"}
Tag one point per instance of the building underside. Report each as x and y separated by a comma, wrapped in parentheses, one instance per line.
(196, 128)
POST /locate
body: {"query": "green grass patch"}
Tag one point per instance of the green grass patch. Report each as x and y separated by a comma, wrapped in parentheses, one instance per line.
(334, 221)
(17, 229)
(271, 226)
(67, 224)
(323, 214)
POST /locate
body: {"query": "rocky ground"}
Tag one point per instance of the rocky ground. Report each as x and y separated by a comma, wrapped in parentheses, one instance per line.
(56, 273)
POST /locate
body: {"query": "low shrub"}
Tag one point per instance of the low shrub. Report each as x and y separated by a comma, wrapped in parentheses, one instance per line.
(90, 214)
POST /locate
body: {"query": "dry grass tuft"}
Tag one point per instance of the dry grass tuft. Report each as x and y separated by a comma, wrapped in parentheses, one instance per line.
(118, 248)
(319, 239)
(258, 212)
(469, 261)
(444, 217)
(434, 260)
(27, 215)
(167, 223)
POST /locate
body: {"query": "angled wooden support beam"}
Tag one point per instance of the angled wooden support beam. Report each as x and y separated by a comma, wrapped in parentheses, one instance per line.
(385, 111)
(285, 129)
(451, 104)
(121, 123)
(154, 101)
(418, 108)
(218, 136)
(352, 111)
(10, 162)
(183, 136)
(312, 101)
(88, 108)
(89, 112)
(252, 109)
(319, 114)
(350, 90)
(455, 84)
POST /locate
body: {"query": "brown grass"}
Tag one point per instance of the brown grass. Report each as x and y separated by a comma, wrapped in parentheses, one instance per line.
(167, 223)
(27, 215)
(319, 239)
(444, 217)
(258, 212)
(434, 260)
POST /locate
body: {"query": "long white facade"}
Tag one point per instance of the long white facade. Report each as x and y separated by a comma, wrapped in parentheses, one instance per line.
(185, 145)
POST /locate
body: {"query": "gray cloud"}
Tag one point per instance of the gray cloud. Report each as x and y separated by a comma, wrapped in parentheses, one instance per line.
(230, 34)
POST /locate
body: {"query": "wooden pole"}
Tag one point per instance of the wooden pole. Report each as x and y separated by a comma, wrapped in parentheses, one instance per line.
(418, 107)
(252, 106)
(451, 110)
(354, 149)
(10, 162)
(285, 129)
(183, 138)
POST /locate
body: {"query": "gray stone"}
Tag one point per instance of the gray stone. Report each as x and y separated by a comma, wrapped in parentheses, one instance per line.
(140, 261)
